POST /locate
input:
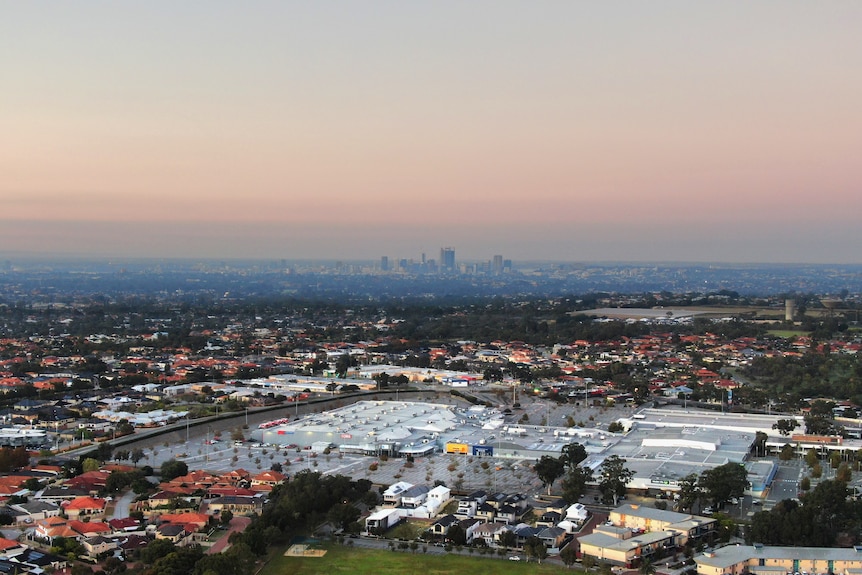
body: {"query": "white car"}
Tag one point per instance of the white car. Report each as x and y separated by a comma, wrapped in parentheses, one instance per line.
(514, 558)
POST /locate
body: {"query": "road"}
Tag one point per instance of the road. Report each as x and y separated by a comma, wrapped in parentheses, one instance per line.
(122, 504)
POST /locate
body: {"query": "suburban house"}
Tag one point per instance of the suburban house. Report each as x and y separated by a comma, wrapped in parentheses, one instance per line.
(490, 533)
(31, 511)
(383, 519)
(441, 527)
(84, 507)
(236, 504)
(265, 481)
(392, 495)
(414, 497)
(97, 545)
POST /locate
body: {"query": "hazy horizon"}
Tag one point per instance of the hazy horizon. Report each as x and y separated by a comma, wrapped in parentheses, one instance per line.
(545, 131)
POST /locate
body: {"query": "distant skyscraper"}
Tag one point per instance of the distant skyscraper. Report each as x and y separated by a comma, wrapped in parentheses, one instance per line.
(447, 259)
(384, 263)
(498, 265)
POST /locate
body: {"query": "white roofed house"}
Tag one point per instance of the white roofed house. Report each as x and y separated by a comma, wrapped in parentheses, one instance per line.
(382, 519)
(577, 513)
(394, 493)
(437, 498)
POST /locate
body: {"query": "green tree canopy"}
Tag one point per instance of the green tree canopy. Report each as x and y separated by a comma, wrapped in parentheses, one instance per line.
(548, 469)
(173, 468)
(721, 483)
(572, 455)
(575, 483)
(613, 477)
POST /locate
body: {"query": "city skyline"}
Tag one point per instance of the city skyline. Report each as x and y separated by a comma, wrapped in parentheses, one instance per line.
(662, 131)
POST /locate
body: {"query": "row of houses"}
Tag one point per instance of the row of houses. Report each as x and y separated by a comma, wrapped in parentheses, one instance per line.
(183, 510)
(479, 516)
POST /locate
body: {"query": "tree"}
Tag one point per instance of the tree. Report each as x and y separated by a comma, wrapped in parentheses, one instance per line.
(689, 492)
(136, 455)
(787, 452)
(456, 535)
(103, 451)
(89, 464)
(785, 426)
(613, 477)
(508, 539)
(535, 547)
(575, 483)
(615, 427)
(157, 549)
(116, 481)
(821, 425)
(811, 458)
(569, 555)
(226, 517)
(172, 468)
(572, 455)
(492, 374)
(31, 484)
(13, 458)
(124, 427)
(647, 567)
(343, 514)
(844, 473)
(548, 469)
(721, 483)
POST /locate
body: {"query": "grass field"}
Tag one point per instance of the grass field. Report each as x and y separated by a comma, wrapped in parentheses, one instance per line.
(349, 561)
(788, 333)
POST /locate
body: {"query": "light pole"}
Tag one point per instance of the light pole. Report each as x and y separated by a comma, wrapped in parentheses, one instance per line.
(246, 416)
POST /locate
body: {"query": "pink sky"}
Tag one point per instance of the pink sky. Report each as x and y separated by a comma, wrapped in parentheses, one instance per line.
(654, 131)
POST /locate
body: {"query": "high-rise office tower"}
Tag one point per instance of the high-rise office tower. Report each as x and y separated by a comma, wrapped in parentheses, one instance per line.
(384, 263)
(497, 266)
(447, 259)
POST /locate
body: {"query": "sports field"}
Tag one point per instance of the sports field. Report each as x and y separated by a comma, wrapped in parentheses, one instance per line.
(349, 561)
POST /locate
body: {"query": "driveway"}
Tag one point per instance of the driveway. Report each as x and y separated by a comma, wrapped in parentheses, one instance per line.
(236, 524)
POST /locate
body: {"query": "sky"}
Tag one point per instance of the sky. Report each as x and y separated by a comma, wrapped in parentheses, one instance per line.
(540, 130)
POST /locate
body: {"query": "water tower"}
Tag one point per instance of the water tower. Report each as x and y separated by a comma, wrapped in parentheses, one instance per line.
(789, 309)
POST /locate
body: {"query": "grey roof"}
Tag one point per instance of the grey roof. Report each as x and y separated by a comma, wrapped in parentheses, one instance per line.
(734, 554)
(415, 491)
(657, 514)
